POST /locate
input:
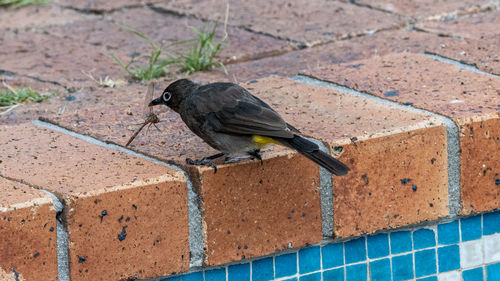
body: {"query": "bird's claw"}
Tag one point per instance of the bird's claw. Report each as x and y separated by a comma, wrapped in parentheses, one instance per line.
(202, 162)
(255, 153)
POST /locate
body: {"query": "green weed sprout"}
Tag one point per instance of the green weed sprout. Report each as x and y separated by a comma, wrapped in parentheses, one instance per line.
(11, 96)
(19, 3)
(155, 67)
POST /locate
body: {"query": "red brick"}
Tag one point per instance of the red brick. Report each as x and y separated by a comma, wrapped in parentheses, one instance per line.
(93, 179)
(38, 17)
(103, 5)
(470, 99)
(481, 53)
(319, 112)
(165, 28)
(311, 22)
(52, 58)
(28, 231)
(368, 46)
(475, 26)
(251, 210)
(428, 8)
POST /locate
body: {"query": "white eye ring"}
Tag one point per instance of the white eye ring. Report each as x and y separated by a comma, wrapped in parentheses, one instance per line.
(166, 96)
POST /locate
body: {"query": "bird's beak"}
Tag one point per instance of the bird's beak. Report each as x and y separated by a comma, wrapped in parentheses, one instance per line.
(155, 102)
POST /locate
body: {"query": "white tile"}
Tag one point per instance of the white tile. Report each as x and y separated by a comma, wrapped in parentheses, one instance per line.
(450, 276)
(491, 248)
(471, 253)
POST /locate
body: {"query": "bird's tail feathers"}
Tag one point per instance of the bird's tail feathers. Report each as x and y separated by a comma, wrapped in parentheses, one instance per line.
(311, 151)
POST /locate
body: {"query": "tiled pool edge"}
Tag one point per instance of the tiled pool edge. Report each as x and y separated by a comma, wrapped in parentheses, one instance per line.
(392, 255)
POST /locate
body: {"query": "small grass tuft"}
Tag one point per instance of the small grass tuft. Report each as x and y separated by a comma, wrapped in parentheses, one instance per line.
(155, 67)
(19, 3)
(201, 56)
(203, 52)
(11, 96)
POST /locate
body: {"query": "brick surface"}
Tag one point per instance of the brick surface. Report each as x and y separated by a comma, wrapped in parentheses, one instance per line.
(475, 26)
(481, 53)
(428, 8)
(368, 46)
(317, 111)
(52, 58)
(101, 6)
(38, 17)
(309, 22)
(50, 55)
(165, 28)
(28, 229)
(118, 223)
(470, 99)
(252, 210)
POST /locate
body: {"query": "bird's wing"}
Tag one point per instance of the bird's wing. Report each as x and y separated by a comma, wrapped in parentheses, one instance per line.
(230, 108)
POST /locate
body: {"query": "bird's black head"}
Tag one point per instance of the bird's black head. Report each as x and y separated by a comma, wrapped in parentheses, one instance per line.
(175, 93)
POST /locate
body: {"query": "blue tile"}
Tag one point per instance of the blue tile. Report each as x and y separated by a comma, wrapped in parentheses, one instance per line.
(491, 223)
(493, 272)
(425, 262)
(332, 255)
(215, 275)
(285, 265)
(448, 233)
(196, 276)
(263, 269)
(448, 258)
(356, 272)
(334, 275)
(378, 245)
(432, 278)
(309, 260)
(423, 238)
(400, 242)
(475, 274)
(291, 279)
(311, 277)
(355, 250)
(239, 272)
(380, 270)
(402, 267)
(471, 228)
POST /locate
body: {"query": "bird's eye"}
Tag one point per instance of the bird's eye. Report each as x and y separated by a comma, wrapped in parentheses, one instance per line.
(166, 96)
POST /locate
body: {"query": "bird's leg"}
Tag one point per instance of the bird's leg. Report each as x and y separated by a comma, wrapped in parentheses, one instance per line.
(206, 161)
(252, 154)
(255, 153)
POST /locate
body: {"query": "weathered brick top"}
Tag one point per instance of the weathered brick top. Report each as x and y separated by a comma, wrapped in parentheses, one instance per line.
(407, 94)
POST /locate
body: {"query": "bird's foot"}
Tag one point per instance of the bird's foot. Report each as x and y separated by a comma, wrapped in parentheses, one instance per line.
(255, 153)
(202, 162)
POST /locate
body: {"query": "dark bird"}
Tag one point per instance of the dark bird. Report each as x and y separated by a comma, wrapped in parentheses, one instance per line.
(230, 119)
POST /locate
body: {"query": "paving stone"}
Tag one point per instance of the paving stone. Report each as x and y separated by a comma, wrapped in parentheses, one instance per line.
(428, 8)
(55, 59)
(103, 6)
(292, 63)
(475, 26)
(317, 111)
(470, 99)
(28, 230)
(481, 53)
(35, 17)
(166, 29)
(310, 23)
(118, 224)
